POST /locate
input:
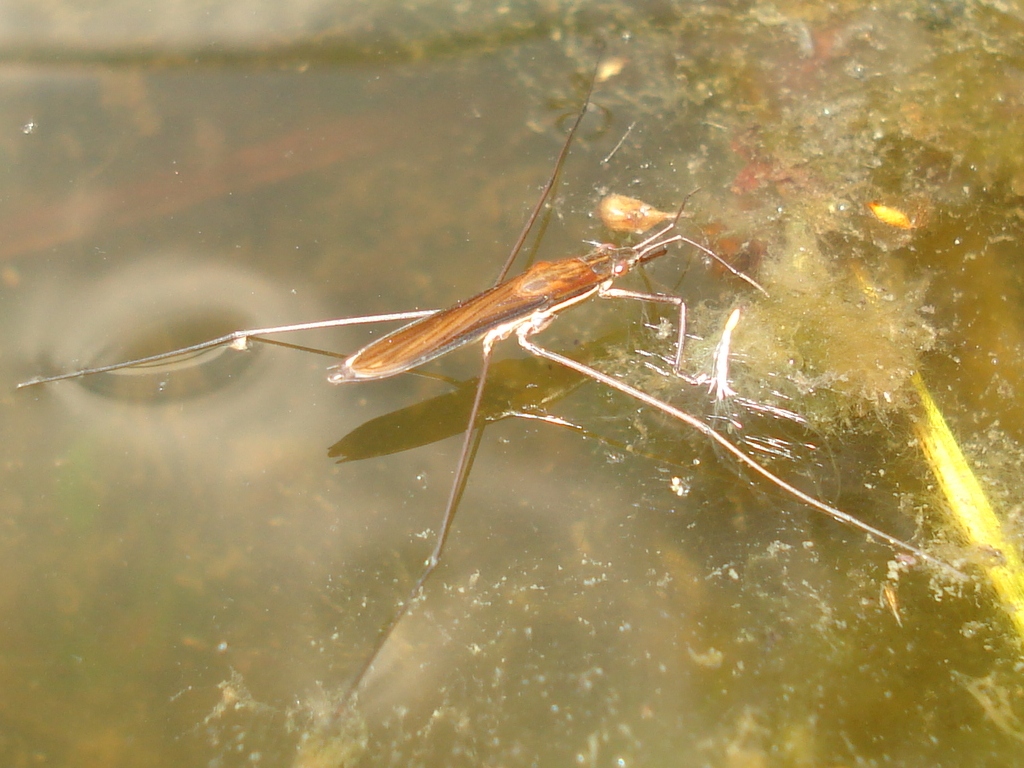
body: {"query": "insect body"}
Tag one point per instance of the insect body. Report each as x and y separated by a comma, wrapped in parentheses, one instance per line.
(533, 297)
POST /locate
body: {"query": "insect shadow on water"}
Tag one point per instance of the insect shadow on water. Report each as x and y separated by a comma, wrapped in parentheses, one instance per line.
(520, 307)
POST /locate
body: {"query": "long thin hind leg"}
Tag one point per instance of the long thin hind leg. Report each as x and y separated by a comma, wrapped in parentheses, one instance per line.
(467, 453)
(237, 339)
(470, 443)
(736, 453)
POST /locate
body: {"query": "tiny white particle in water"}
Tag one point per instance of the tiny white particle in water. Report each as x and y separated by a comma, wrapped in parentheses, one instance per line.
(679, 488)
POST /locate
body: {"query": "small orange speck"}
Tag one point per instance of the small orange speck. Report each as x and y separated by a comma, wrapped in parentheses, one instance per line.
(610, 68)
(892, 601)
(894, 217)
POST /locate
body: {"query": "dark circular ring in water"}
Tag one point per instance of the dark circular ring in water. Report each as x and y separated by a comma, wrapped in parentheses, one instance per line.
(157, 305)
(82, 319)
(177, 379)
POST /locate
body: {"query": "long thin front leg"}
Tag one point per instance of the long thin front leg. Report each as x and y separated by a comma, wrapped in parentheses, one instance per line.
(661, 298)
(740, 456)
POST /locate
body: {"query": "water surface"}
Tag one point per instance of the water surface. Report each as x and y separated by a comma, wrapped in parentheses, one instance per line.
(191, 580)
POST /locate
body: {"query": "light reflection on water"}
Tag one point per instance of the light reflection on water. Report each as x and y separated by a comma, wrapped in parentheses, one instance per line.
(584, 613)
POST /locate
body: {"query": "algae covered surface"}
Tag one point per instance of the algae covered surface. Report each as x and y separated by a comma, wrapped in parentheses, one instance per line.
(190, 578)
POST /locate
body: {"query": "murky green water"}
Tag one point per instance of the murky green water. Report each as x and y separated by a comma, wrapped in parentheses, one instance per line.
(189, 579)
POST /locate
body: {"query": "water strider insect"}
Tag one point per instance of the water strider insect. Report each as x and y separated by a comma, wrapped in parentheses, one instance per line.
(521, 307)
